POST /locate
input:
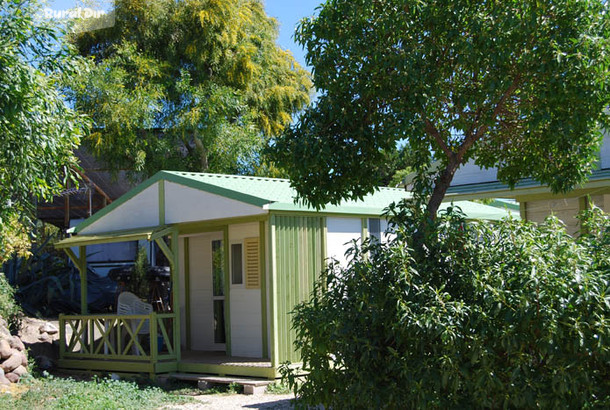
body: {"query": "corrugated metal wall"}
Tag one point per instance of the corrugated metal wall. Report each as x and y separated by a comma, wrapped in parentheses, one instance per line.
(298, 258)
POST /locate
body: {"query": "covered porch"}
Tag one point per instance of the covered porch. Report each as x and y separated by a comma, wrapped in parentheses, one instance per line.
(140, 343)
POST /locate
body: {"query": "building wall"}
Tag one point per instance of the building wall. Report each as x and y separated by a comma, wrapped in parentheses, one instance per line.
(296, 263)
(566, 209)
(341, 232)
(470, 173)
(605, 151)
(246, 312)
(180, 201)
(141, 211)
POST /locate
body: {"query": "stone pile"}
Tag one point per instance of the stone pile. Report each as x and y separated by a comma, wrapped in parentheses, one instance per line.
(13, 357)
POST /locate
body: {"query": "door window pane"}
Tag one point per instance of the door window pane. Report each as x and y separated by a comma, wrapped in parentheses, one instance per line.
(219, 321)
(375, 228)
(236, 264)
(218, 275)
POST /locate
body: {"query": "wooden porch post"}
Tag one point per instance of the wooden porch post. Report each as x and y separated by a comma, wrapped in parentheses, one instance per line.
(81, 264)
(175, 272)
(273, 296)
(82, 267)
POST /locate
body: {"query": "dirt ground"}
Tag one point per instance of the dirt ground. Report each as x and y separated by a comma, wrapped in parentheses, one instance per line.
(239, 401)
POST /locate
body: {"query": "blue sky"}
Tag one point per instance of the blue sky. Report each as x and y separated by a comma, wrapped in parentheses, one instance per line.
(287, 12)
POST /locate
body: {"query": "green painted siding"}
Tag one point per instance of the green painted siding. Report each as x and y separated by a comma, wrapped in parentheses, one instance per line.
(298, 262)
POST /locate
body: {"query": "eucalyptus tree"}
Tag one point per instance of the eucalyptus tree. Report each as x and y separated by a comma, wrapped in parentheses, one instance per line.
(38, 131)
(195, 85)
(520, 85)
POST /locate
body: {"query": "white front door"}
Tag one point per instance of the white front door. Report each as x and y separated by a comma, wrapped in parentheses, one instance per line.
(206, 254)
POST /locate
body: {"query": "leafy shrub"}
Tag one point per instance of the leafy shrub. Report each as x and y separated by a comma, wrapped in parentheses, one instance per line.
(9, 310)
(466, 315)
(139, 284)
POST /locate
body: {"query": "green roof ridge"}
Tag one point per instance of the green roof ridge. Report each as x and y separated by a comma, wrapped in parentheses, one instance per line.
(276, 193)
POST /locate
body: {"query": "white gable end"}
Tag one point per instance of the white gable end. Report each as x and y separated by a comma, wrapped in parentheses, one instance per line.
(470, 173)
(185, 204)
(141, 211)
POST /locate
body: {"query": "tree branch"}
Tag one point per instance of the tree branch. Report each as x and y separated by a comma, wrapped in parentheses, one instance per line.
(471, 138)
(432, 131)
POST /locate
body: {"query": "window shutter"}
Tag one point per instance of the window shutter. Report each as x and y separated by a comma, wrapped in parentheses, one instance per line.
(252, 255)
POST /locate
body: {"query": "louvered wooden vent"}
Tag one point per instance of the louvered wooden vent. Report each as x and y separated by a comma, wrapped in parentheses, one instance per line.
(252, 255)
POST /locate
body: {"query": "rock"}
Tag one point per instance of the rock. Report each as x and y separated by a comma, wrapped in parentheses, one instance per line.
(48, 328)
(23, 355)
(20, 371)
(44, 337)
(44, 363)
(12, 362)
(4, 381)
(5, 349)
(4, 332)
(16, 343)
(12, 377)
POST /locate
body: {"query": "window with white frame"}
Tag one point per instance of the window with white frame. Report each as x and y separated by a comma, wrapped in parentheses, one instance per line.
(375, 229)
(237, 267)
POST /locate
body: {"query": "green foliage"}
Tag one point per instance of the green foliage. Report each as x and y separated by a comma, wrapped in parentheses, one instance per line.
(38, 131)
(139, 284)
(57, 393)
(521, 85)
(42, 276)
(14, 239)
(509, 315)
(278, 388)
(235, 388)
(188, 85)
(9, 310)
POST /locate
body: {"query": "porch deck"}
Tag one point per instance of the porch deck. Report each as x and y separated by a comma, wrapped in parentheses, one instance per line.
(220, 358)
(196, 361)
(112, 343)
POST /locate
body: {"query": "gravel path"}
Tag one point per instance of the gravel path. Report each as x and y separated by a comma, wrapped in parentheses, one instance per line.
(239, 401)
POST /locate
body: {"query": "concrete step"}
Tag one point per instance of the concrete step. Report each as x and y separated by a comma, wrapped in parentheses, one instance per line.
(205, 381)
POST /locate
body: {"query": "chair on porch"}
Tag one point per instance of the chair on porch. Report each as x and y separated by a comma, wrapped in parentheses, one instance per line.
(130, 304)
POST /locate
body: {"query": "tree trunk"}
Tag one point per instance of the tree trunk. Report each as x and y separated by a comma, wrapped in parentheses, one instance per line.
(441, 185)
(203, 153)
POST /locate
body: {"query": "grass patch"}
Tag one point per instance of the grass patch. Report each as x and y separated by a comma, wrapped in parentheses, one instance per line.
(97, 393)
(278, 388)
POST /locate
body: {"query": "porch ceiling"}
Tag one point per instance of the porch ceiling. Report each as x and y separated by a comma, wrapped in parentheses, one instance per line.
(119, 236)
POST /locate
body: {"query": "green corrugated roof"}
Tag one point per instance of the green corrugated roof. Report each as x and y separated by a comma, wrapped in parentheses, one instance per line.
(267, 189)
(521, 187)
(277, 194)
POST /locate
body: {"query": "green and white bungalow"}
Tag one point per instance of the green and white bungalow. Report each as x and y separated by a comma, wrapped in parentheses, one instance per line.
(242, 254)
(536, 201)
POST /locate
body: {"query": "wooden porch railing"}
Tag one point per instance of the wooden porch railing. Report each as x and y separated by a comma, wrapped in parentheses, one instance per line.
(118, 337)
